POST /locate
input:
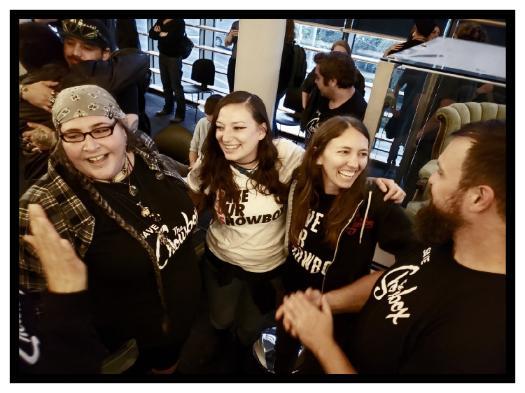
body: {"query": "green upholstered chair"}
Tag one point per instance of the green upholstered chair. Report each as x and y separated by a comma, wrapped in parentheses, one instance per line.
(174, 141)
(451, 118)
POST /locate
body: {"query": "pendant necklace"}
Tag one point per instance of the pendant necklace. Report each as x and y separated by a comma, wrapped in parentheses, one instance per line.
(145, 211)
(132, 189)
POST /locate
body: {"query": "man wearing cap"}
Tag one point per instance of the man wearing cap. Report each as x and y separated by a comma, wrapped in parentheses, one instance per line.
(87, 42)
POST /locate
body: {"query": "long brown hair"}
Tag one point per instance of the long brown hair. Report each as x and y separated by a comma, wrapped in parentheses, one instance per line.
(215, 173)
(310, 182)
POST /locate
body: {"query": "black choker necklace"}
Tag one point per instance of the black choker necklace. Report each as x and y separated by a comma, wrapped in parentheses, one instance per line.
(245, 163)
(244, 171)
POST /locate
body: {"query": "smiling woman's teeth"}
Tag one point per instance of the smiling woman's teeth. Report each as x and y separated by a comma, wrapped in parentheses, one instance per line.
(347, 173)
(96, 159)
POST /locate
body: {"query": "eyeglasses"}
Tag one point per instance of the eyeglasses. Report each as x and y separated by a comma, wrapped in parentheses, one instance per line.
(97, 133)
(80, 28)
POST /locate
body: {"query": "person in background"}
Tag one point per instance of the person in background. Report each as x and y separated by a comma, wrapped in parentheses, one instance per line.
(335, 220)
(423, 30)
(170, 35)
(127, 211)
(472, 32)
(231, 39)
(202, 127)
(449, 91)
(443, 309)
(286, 68)
(398, 126)
(310, 90)
(335, 77)
(127, 34)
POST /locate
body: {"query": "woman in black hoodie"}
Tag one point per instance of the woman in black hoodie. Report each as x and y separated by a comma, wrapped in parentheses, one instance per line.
(335, 219)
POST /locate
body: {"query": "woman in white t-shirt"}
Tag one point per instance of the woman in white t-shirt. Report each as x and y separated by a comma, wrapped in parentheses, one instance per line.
(243, 176)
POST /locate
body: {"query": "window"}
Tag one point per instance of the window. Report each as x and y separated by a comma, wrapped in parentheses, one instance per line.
(196, 31)
(143, 29)
(369, 46)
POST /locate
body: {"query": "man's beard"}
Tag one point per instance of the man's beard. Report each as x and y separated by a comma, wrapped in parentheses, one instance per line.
(435, 226)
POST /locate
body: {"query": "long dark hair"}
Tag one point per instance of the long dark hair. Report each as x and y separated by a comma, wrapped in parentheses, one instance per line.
(310, 182)
(216, 175)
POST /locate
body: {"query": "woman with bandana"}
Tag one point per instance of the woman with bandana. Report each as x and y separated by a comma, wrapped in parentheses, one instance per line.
(125, 209)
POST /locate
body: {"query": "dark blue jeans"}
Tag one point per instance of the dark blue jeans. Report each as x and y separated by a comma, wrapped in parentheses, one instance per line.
(171, 77)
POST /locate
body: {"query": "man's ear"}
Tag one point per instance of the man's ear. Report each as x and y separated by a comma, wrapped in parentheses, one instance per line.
(106, 53)
(480, 198)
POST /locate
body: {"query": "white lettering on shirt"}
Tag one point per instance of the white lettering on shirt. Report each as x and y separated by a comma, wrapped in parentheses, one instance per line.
(392, 285)
(32, 354)
(317, 221)
(309, 261)
(426, 255)
(178, 236)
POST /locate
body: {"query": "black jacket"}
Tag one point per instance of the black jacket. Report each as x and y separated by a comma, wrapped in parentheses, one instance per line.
(172, 44)
(373, 222)
(124, 68)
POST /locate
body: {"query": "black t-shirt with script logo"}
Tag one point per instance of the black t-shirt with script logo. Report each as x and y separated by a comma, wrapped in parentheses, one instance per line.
(355, 106)
(431, 315)
(121, 277)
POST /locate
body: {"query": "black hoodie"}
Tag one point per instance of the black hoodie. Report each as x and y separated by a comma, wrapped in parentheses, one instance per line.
(316, 264)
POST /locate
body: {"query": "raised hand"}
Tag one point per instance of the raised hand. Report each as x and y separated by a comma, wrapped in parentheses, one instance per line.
(391, 189)
(64, 271)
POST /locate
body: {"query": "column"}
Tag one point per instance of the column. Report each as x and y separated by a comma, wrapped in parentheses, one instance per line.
(259, 51)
